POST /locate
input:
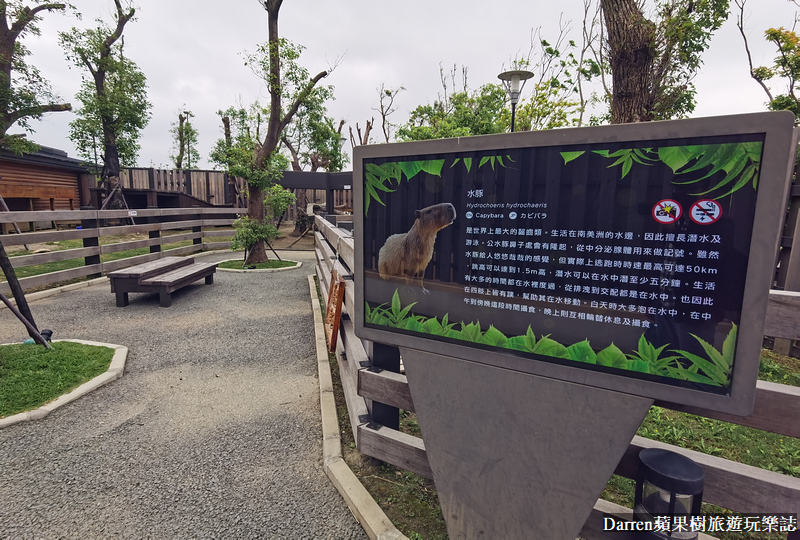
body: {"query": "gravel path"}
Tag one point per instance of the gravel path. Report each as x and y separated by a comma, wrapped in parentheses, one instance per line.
(213, 432)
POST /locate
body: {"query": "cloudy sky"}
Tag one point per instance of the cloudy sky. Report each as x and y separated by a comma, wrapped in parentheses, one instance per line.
(190, 51)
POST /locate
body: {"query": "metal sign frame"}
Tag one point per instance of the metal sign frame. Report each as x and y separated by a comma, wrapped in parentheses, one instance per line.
(776, 166)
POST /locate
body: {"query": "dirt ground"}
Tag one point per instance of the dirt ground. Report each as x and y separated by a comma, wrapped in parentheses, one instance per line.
(289, 239)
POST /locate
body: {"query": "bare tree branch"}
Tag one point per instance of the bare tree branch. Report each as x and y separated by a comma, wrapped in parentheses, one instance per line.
(740, 24)
(385, 108)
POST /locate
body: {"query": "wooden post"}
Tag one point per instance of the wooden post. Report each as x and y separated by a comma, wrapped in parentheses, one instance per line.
(329, 197)
(385, 357)
(93, 241)
(788, 276)
(154, 234)
(228, 188)
(197, 241)
(85, 183)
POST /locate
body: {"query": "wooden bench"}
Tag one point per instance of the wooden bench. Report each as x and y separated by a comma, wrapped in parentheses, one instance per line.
(163, 276)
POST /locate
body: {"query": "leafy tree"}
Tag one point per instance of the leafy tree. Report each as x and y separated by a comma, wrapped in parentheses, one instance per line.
(242, 129)
(312, 138)
(460, 114)
(785, 67)
(24, 93)
(652, 62)
(554, 96)
(185, 141)
(250, 232)
(115, 106)
(289, 85)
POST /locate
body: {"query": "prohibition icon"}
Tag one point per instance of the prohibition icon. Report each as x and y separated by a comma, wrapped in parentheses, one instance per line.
(667, 211)
(705, 212)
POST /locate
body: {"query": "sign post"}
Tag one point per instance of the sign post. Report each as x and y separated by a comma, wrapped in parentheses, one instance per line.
(546, 287)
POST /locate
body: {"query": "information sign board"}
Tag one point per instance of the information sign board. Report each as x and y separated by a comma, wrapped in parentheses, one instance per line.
(636, 258)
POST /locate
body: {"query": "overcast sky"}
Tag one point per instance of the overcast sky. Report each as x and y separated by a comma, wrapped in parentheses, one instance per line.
(190, 51)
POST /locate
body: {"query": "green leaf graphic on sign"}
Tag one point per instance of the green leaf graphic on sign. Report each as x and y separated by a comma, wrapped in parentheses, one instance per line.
(433, 166)
(495, 337)
(549, 347)
(582, 352)
(380, 177)
(714, 370)
(611, 356)
(570, 156)
(674, 157)
(740, 163)
(410, 168)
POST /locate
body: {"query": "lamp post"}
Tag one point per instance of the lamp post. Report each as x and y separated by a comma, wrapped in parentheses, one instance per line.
(511, 80)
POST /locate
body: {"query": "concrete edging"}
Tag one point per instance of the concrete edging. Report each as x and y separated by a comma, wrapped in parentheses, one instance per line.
(375, 522)
(262, 270)
(113, 373)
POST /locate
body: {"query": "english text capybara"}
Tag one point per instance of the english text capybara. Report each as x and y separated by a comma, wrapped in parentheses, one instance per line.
(408, 254)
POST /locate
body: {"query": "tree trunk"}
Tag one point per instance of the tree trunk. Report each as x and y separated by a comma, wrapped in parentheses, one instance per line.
(255, 200)
(630, 52)
(256, 212)
(111, 170)
(181, 142)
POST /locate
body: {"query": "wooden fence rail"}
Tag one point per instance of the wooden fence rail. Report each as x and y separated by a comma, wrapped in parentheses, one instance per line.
(152, 222)
(731, 485)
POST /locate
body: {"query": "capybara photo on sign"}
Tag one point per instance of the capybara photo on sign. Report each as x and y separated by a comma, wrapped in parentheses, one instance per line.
(406, 255)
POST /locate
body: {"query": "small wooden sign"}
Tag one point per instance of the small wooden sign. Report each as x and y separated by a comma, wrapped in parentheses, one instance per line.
(333, 312)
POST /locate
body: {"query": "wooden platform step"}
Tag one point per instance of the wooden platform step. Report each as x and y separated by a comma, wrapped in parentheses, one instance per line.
(183, 273)
(152, 268)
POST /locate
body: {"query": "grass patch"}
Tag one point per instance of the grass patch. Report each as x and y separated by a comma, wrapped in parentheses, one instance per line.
(31, 376)
(779, 369)
(237, 265)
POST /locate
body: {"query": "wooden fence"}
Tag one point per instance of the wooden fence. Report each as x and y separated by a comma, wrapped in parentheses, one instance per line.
(209, 186)
(215, 187)
(206, 225)
(728, 484)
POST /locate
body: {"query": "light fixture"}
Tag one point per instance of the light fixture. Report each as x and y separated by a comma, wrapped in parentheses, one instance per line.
(511, 82)
(668, 484)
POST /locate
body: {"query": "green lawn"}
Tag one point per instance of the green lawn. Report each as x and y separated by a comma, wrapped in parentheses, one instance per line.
(31, 375)
(237, 265)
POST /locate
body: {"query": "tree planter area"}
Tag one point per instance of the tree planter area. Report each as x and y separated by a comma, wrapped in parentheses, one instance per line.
(237, 265)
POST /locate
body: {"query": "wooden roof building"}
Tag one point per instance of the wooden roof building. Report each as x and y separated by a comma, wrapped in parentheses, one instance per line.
(44, 180)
